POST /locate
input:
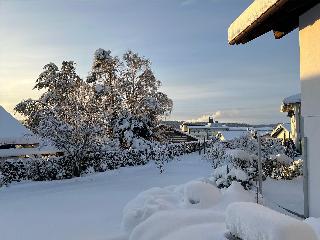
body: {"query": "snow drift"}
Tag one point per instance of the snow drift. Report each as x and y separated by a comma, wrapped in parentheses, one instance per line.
(184, 211)
(251, 221)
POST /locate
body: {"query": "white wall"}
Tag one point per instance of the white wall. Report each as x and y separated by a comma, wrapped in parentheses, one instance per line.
(309, 35)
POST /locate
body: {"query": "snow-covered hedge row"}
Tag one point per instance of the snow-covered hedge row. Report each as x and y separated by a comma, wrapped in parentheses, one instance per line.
(236, 160)
(55, 168)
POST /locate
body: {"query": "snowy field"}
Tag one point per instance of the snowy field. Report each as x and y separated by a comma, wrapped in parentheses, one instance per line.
(90, 208)
(87, 208)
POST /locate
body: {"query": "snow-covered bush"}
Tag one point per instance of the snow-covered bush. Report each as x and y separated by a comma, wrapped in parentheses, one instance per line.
(278, 169)
(290, 149)
(235, 165)
(236, 160)
(198, 194)
(55, 168)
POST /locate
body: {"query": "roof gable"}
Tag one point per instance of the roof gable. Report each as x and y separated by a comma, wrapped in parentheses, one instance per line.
(12, 131)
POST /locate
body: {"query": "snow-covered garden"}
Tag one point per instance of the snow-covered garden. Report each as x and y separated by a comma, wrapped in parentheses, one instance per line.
(180, 203)
(117, 177)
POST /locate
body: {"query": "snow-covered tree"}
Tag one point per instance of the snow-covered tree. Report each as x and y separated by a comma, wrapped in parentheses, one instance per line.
(118, 106)
(129, 90)
(66, 113)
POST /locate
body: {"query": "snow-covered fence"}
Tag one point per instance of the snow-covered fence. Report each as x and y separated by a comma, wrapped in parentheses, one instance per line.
(55, 168)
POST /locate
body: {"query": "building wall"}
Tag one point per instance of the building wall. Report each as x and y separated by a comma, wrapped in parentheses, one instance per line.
(201, 134)
(309, 35)
(295, 127)
(283, 135)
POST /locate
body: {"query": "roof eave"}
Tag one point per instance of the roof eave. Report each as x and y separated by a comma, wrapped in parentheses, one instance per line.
(281, 18)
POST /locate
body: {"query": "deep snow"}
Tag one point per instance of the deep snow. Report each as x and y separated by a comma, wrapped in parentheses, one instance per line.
(90, 208)
(251, 221)
(87, 208)
(182, 212)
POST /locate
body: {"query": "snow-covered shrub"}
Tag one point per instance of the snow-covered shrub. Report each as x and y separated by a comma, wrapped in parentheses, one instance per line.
(235, 165)
(13, 171)
(199, 194)
(290, 148)
(55, 168)
(236, 160)
(278, 169)
(2, 179)
(36, 169)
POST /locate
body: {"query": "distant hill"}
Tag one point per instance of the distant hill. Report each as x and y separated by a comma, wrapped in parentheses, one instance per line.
(176, 124)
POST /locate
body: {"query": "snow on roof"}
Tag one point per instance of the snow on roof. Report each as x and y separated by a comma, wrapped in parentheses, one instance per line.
(12, 131)
(249, 16)
(208, 127)
(230, 135)
(277, 130)
(296, 98)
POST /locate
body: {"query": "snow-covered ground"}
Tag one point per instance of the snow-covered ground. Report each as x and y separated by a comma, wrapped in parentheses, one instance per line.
(90, 208)
(284, 193)
(87, 208)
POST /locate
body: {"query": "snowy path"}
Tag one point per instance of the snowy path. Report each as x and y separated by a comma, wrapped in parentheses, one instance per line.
(88, 208)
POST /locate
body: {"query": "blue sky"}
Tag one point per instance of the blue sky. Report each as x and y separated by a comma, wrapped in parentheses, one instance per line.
(186, 41)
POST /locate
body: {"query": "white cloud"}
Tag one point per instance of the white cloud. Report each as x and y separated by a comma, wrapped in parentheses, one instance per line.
(203, 118)
(190, 2)
(187, 2)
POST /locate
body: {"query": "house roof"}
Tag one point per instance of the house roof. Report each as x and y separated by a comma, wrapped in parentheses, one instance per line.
(262, 16)
(296, 98)
(289, 102)
(281, 127)
(209, 127)
(13, 132)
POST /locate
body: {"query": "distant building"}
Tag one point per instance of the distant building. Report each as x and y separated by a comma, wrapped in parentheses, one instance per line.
(292, 106)
(203, 131)
(185, 125)
(213, 129)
